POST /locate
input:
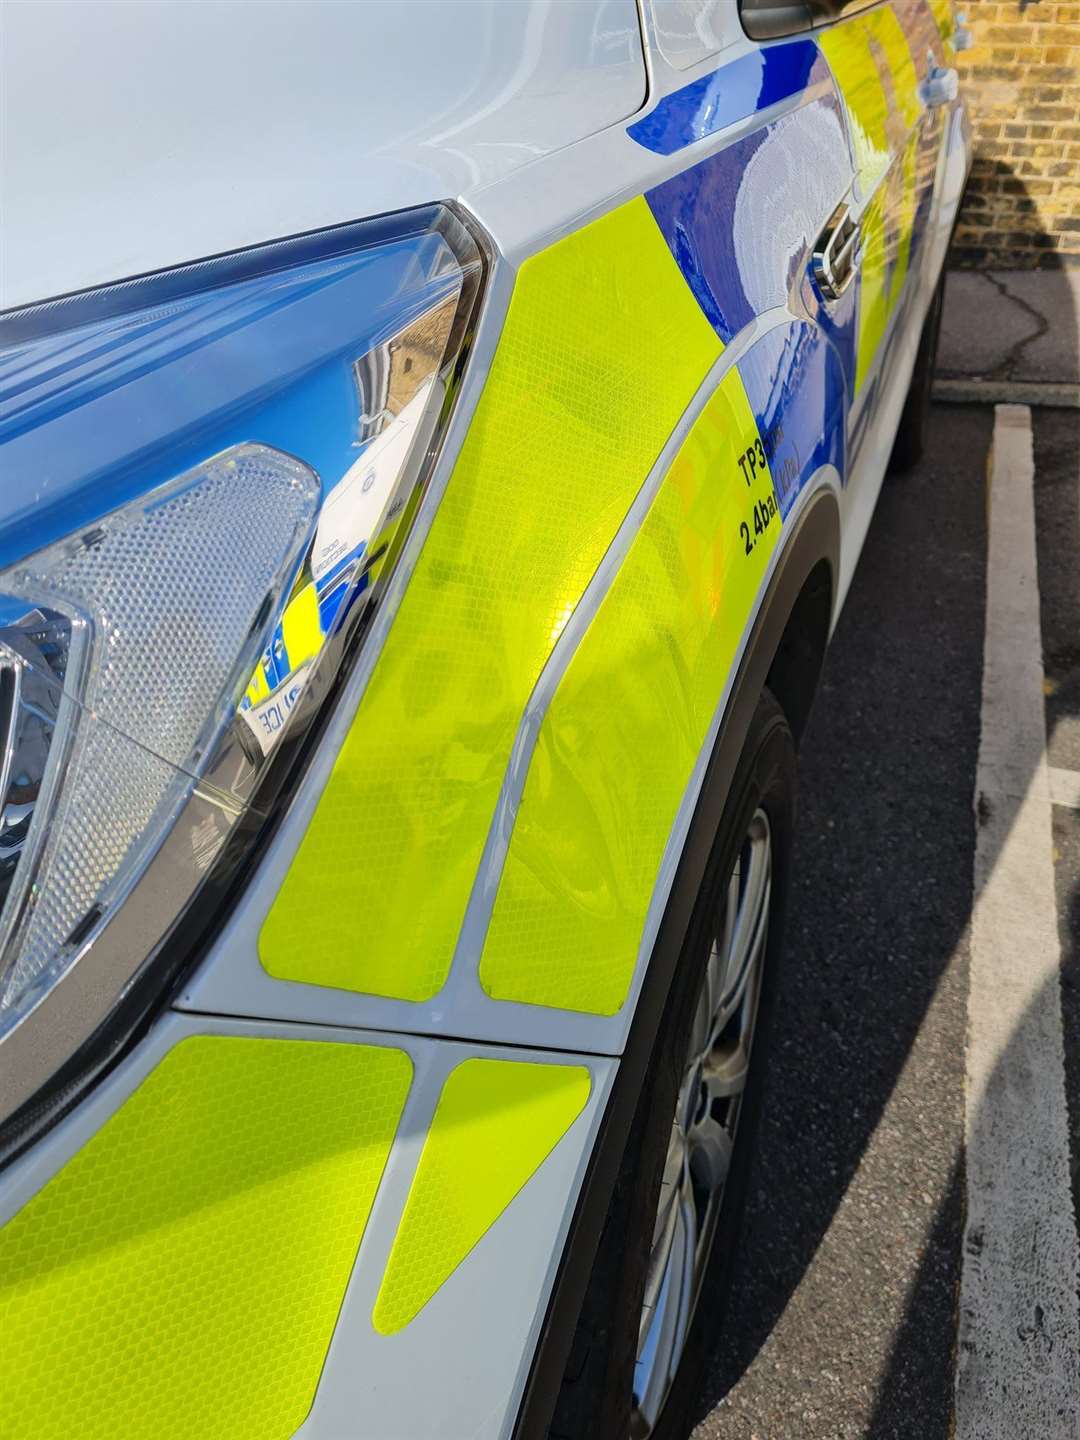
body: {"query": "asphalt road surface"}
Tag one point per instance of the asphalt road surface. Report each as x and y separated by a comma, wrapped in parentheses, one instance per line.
(849, 1287)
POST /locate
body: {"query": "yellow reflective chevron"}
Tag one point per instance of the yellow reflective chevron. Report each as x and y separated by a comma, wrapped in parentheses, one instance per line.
(181, 1276)
(495, 1124)
(628, 721)
(602, 349)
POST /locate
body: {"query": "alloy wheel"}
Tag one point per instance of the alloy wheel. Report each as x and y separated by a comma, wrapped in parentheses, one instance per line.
(704, 1125)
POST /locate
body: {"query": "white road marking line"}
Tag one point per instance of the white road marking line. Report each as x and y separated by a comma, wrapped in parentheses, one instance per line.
(1064, 787)
(1018, 1367)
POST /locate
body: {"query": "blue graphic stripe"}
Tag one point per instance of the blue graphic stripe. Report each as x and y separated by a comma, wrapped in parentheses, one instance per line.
(735, 91)
(696, 213)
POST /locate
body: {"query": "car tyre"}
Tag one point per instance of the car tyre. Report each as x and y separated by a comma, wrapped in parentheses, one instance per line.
(599, 1398)
(910, 443)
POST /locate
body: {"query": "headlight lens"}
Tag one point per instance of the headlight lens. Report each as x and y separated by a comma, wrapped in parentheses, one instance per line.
(207, 478)
(152, 623)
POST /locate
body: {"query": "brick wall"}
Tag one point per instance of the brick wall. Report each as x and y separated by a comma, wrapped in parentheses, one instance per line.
(1022, 83)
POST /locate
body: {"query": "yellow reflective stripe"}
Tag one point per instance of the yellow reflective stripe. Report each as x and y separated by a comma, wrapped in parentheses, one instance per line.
(627, 723)
(847, 48)
(873, 287)
(602, 349)
(871, 62)
(899, 71)
(495, 1124)
(301, 628)
(181, 1276)
(862, 53)
(880, 286)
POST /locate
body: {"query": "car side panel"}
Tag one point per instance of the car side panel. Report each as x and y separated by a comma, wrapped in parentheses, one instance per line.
(384, 920)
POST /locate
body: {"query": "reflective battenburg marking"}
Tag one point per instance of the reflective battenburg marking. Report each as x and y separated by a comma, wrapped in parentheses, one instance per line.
(181, 1276)
(628, 721)
(495, 1124)
(602, 349)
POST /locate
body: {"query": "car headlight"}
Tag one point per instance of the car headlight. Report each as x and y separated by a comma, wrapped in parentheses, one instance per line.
(207, 476)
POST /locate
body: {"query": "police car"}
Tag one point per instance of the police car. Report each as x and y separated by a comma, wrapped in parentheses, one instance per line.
(436, 440)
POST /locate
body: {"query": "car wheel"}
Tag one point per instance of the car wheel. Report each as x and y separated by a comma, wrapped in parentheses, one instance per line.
(656, 1298)
(910, 443)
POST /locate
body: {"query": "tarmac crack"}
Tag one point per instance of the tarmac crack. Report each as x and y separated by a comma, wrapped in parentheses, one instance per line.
(1012, 357)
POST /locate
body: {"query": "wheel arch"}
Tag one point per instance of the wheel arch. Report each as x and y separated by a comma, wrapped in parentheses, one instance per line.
(800, 656)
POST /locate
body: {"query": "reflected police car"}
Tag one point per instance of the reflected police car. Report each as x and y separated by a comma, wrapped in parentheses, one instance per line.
(437, 441)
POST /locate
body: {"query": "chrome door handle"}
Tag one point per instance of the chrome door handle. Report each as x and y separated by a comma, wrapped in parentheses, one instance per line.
(941, 86)
(962, 38)
(833, 260)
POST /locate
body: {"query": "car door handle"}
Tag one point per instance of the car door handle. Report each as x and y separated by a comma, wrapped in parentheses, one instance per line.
(941, 86)
(962, 38)
(833, 260)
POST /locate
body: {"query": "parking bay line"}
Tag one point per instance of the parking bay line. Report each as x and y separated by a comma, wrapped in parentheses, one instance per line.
(1065, 787)
(1018, 1362)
